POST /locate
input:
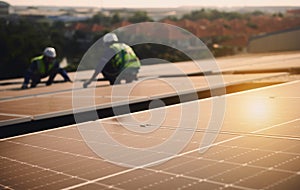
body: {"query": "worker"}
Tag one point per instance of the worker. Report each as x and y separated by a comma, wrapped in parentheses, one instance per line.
(118, 62)
(43, 66)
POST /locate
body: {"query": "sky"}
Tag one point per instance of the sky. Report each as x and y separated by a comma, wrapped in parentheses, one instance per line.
(154, 3)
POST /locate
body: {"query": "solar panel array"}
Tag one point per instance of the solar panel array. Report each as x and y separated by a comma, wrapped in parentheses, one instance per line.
(250, 152)
(257, 146)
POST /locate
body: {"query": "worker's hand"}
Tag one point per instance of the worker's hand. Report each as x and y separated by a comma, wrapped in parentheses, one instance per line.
(86, 83)
(68, 80)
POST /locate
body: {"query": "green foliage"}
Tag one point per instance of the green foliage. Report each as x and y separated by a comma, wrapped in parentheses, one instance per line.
(139, 16)
(278, 15)
(100, 18)
(104, 20)
(257, 13)
(23, 39)
(172, 18)
(20, 41)
(115, 18)
(212, 15)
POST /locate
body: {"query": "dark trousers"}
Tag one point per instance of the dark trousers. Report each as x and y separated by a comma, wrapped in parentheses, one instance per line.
(36, 77)
(128, 74)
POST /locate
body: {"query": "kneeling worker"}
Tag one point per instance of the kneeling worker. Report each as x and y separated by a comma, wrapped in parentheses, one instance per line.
(43, 66)
(118, 62)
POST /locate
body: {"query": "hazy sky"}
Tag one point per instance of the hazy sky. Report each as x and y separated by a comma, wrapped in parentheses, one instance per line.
(155, 3)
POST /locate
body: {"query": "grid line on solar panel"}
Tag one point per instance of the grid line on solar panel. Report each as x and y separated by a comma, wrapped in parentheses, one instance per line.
(32, 178)
(5, 187)
(261, 172)
(199, 180)
(252, 164)
(185, 153)
(292, 136)
(69, 139)
(281, 181)
(230, 132)
(54, 150)
(157, 180)
(225, 147)
(29, 177)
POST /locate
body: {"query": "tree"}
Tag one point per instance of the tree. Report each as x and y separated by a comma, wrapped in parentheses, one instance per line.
(195, 15)
(139, 16)
(212, 15)
(22, 39)
(172, 18)
(257, 13)
(115, 18)
(100, 18)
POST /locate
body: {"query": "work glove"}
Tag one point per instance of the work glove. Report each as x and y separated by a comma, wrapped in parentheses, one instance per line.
(86, 83)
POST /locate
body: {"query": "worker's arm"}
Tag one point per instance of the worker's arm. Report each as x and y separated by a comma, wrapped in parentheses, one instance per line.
(95, 74)
(108, 54)
(33, 67)
(28, 74)
(62, 72)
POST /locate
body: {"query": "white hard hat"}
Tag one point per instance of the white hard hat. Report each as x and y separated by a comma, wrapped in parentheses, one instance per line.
(110, 37)
(50, 52)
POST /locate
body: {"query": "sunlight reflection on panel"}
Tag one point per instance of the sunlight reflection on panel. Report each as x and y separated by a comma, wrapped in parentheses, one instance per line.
(255, 111)
(258, 108)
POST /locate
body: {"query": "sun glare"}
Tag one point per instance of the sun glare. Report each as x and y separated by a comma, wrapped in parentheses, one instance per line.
(258, 107)
(258, 110)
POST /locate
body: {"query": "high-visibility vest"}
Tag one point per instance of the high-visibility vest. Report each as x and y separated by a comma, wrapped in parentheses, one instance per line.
(125, 57)
(41, 65)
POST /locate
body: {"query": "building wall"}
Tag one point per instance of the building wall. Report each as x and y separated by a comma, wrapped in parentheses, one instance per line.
(280, 41)
(5, 9)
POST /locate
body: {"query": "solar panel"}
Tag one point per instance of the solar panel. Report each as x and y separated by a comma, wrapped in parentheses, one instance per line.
(9, 119)
(259, 59)
(263, 63)
(10, 89)
(257, 148)
(55, 101)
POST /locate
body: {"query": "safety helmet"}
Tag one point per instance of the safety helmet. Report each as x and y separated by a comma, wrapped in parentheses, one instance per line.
(50, 52)
(110, 37)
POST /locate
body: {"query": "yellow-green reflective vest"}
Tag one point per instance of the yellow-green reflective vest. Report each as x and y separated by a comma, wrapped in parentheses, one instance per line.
(41, 66)
(125, 57)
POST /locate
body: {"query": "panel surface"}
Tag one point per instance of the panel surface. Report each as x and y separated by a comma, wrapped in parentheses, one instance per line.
(256, 148)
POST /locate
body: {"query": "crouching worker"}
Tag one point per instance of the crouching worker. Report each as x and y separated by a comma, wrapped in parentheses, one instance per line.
(119, 62)
(43, 66)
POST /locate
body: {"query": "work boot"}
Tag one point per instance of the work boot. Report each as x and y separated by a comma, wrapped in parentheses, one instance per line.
(48, 83)
(24, 86)
(68, 80)
(33, 85)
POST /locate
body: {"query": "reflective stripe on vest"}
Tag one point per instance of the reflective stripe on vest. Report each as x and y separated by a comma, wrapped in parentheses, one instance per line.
(125, 57)
(41, 66)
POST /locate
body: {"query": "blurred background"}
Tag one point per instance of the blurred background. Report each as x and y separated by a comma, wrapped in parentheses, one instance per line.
(226, 28)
